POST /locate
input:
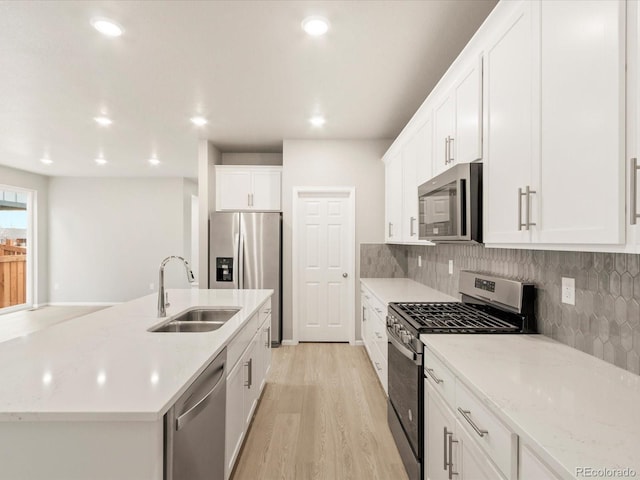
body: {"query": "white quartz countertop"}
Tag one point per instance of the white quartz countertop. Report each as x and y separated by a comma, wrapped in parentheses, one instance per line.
(106, 366)
(571, 408)
(404, 290)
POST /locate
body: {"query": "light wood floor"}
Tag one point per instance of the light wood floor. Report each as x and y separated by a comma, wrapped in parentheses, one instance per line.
(323, 415)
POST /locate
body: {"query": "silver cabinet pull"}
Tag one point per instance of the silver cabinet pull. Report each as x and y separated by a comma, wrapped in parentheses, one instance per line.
(364, 315)
(450, 158)
(520, 224)
(465, 414)
(450, 464)
(444, 449)
(412, 233)
(267, 342)
(446, 151)
(634, 191)
(435, 379)
(378, 367)
(528, 192)
(390, 234)
(378, 335)
(249, 366)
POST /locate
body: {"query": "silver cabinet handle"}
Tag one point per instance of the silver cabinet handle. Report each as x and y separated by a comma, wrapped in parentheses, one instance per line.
(249, 366)
(364, 314)
(520, 224)
(446, 151)
(450, 465)
(248, 199)
(378, 335)
(444, 449)
(390, 234)
(528, 192)
(634, 191)
(465, 414)
(450, 158)
(412, 233)
(267, 342)
(435, 379)
(378, 367)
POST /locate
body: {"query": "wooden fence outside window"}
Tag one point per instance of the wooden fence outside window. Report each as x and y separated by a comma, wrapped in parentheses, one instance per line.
(13, 276)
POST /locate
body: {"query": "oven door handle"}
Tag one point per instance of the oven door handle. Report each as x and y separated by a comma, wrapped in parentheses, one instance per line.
(410, 354)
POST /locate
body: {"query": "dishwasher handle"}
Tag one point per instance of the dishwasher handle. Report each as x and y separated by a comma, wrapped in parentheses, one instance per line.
(187, 416)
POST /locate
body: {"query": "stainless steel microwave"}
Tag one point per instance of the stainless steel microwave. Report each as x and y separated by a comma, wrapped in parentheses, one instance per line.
(451, 205)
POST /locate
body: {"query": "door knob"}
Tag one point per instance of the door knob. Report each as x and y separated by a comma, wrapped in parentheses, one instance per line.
(345, 275)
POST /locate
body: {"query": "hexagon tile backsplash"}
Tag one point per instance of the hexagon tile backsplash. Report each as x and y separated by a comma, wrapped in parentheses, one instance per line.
(605, 321)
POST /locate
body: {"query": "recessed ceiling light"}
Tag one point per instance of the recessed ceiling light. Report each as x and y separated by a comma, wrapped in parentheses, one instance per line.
(154, 161)
(315, 26)
(46, 161)
(317, 120)
(102, 120)
(101, 161)
(107, 27)
(199, 121)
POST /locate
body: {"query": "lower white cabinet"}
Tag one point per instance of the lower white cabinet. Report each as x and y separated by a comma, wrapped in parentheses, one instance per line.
(532, 468)
(374, 334)
(245, 381)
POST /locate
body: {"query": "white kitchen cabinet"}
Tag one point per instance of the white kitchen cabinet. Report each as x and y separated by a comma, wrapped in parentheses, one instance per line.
(249, 361)
(374, 334)
(393, 199)
(510, 119)
(579, 179)
(458, 117)
(417, 164)
(554, 169)
(252, 188)
(474, 464)
(441, 445)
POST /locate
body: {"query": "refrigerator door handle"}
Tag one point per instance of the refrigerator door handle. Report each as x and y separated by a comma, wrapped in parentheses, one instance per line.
(236, 265)
(240, 257)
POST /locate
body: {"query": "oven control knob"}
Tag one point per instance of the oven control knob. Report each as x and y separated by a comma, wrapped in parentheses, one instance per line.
(406, 338)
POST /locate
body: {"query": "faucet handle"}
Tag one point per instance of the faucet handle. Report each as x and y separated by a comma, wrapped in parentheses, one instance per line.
(166, 300)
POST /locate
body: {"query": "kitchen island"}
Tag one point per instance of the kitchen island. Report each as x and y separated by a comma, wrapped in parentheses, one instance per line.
(86, 398)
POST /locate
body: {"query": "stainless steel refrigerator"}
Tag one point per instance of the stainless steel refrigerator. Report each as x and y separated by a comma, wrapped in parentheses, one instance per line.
(245, 251)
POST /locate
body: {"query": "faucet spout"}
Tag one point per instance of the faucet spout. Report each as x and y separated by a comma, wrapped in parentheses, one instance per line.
(162, 300)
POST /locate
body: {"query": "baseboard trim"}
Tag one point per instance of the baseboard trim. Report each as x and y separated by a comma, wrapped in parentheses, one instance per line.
(359, 343)
(289, 343)
(83, 304)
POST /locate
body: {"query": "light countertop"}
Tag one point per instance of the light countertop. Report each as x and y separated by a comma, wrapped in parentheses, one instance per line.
(404, 290)
(106, 366)
(571, 408)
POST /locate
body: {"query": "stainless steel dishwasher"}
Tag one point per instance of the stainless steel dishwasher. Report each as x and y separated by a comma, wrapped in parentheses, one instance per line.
(194, 427)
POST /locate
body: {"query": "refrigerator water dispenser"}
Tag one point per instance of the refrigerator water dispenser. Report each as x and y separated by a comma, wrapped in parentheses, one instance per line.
(224, 269)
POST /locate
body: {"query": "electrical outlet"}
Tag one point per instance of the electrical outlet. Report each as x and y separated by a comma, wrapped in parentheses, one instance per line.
(450, 267)
(419, 260)
(151, 286)
(569, 290)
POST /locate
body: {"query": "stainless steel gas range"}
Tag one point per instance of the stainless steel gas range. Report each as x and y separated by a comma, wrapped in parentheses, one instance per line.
(489, 304)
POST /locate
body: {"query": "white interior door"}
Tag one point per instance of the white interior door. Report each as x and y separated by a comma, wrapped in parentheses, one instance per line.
(324, 247)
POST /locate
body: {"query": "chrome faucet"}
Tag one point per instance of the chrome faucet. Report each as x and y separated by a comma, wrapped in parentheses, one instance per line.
(162, 300)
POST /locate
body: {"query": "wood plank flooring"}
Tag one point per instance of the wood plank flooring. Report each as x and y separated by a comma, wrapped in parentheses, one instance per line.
(323, 415)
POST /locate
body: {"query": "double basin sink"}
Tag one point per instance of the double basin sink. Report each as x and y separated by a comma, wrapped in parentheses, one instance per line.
(197, 320)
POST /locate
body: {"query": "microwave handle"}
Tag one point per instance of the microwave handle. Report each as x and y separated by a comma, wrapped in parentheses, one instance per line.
(462, 207)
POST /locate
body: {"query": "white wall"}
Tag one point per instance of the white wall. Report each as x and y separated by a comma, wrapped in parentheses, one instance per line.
(208, 157)
(39, 183)
(109, 235)
(354, 163)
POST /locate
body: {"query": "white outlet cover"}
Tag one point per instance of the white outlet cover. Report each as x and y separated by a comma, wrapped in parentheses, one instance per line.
(569, 291)
(450, 267)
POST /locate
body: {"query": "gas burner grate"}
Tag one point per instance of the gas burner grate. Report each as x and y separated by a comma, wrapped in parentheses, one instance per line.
(454, 317)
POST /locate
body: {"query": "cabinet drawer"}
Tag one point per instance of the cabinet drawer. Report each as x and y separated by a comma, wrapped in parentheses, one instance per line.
(376, 305)
(379, 363)
(378, 331)
(488, 431)
(440, 377)
(241, 341)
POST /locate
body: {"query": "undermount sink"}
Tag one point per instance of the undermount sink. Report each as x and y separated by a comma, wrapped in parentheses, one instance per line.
(197, 320)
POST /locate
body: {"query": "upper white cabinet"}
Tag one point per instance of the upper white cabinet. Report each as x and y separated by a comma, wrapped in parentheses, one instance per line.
(510, 125)
(393, 198)
(554, 163)
(458, 117)
(256, 188)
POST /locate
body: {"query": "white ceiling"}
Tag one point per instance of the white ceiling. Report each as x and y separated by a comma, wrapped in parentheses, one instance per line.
(245, 65)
